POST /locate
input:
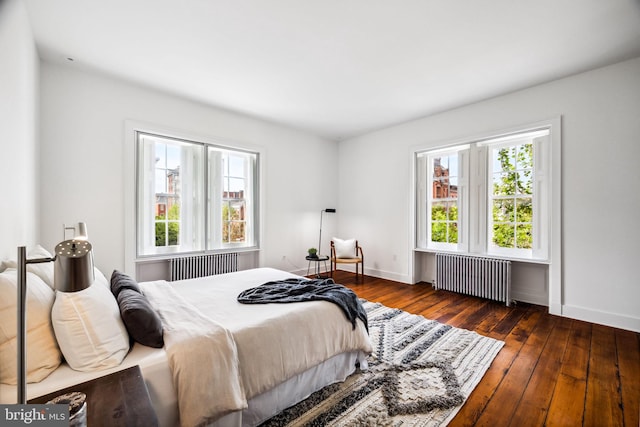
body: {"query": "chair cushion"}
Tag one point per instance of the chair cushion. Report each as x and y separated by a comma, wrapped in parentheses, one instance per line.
(345, 248)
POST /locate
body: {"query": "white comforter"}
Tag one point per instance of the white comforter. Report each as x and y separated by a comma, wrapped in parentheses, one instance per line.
(260, 346)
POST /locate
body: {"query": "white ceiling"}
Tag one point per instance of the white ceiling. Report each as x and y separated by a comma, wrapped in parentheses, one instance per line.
(337, 68)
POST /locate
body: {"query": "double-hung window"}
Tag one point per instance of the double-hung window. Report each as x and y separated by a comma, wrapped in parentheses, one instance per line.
(443, 197)
(487, 197)
(194, 196)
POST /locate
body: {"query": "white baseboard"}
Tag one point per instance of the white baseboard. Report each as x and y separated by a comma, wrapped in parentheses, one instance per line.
(602, 317)
(403, 278)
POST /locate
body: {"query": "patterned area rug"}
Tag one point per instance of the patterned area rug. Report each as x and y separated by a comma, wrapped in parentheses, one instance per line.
(420, 374)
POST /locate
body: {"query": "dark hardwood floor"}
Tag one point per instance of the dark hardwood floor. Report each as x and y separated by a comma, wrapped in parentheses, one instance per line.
(552, 371)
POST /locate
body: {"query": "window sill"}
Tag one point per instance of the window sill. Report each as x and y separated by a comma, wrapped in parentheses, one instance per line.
(497, 256)
(140, 259)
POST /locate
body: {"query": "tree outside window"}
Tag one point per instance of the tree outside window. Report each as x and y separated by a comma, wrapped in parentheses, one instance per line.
(512, 196)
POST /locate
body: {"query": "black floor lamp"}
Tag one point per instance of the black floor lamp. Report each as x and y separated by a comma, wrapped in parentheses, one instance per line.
(328, 210)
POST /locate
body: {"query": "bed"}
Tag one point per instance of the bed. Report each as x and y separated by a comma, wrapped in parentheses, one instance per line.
(284, 352)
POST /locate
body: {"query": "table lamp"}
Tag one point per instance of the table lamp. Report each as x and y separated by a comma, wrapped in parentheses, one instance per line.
(73, 271)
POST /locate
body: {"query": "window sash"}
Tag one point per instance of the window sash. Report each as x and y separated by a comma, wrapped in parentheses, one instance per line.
(437, 178)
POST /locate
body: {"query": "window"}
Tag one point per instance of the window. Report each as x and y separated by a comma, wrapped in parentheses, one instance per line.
(193, 196)
(486, 197)
(443, 197)
(511, 196)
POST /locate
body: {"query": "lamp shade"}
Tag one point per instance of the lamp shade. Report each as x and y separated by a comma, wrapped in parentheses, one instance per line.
(73, 266)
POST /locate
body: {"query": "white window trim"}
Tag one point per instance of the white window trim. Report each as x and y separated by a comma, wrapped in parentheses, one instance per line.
(131, 129)
(554, 256)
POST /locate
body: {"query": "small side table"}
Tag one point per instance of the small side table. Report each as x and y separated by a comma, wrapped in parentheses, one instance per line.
(117, 399)
(317, 260)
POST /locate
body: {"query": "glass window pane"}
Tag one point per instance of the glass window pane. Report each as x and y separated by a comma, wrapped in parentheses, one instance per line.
(236, 165)
(438, 191)
(452, 229)
(503, 235)
(161, 208)
(161, 234)
(161, 154)
(524, 209)
(503, 210)
(439, 211)
(160, 181)
(226, 211)
(453, 165)
(238, 210)
(525, 156)
(504, 159)
(524, 236)
(438, 231)
(173, 156)
(174, 233)
(237, 231)
(235, 186)
(444, 163)
(504, 184)
(525, 184)
(452, 211)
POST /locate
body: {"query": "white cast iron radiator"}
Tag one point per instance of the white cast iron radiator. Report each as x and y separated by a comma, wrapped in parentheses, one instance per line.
(481, 277)
(191, 267)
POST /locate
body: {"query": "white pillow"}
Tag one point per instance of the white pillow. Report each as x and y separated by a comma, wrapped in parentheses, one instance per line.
(345, 248)
(101, 279)
(44, 270)
(43, 354)
(89, 328)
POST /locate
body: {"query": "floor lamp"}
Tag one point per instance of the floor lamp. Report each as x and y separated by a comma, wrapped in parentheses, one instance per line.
(328, 210)
(73, 271)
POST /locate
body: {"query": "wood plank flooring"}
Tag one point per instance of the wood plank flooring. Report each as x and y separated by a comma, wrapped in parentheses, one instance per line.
(552, 371)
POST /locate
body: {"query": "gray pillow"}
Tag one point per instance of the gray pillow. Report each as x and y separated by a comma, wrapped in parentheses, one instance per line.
(140, 319)
(120, 281)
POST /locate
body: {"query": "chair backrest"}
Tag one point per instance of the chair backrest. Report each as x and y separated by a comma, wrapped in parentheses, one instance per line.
(357, 250)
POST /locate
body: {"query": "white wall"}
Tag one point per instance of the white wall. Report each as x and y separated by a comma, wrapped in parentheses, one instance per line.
(601, 201)
(82, 128)
(18, 125)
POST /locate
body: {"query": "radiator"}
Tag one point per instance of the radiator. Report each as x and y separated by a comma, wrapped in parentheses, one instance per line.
(191, 267)
(481, 277)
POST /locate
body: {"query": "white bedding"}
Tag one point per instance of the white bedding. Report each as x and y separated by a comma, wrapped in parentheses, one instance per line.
(268, 394)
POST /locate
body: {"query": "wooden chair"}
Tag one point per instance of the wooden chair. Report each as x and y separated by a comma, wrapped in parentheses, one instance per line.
(357, 258)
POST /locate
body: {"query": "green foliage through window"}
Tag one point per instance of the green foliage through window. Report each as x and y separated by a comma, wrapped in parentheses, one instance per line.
(512, 199)
(169, 226)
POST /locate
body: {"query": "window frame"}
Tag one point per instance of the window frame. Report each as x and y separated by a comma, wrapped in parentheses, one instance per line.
(475, 214)
(131, 192)
(424, 162)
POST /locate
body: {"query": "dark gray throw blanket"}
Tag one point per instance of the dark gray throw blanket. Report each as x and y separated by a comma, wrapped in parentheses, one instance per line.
(299, 290)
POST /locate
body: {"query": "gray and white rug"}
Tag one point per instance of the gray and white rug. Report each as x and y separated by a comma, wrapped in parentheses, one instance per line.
(420, 374)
